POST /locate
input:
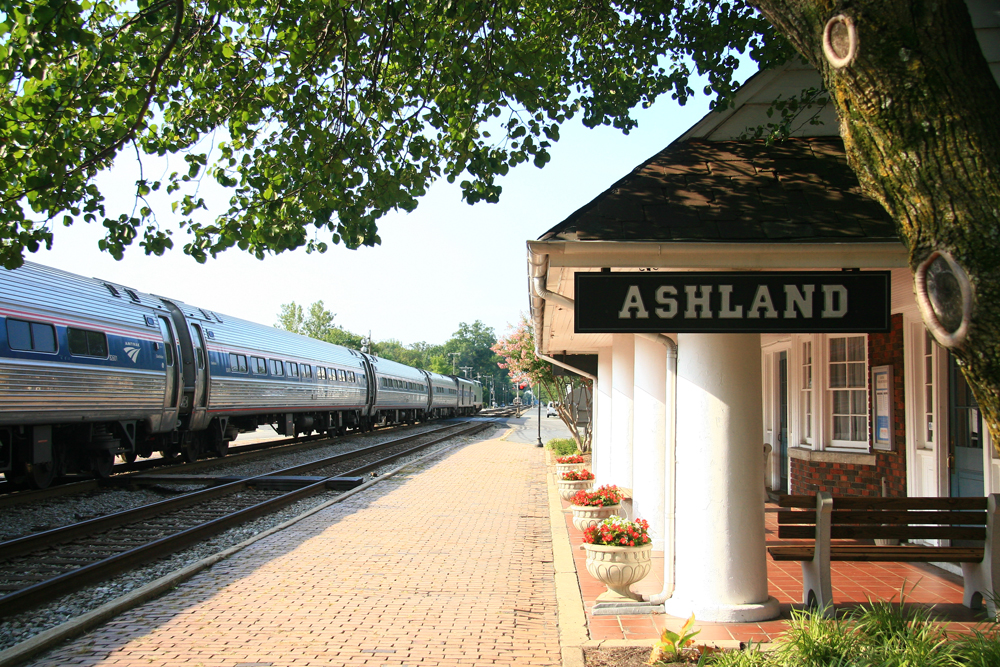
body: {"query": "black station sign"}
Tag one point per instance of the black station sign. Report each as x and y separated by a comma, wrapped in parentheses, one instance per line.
(733, 302)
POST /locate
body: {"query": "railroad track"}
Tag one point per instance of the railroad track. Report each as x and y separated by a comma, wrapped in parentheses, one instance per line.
(38, 568)
(11, 496)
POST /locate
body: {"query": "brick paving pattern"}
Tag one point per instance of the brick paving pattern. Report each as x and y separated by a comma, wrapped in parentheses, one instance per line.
(448, 563)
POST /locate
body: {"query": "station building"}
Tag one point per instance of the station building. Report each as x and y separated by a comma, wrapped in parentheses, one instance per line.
(697, 423)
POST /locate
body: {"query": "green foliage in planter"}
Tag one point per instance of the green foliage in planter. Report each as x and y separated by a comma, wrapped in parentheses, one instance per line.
(562, 446)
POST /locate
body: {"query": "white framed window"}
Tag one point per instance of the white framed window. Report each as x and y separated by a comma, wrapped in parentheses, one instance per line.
(848, 390)
(806, 401)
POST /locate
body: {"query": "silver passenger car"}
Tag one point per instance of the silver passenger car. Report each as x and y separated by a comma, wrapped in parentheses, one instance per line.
(82, 362)
(400, 391)
(443, 395)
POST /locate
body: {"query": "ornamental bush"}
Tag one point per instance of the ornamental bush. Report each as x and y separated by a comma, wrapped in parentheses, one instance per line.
(575, 458)
(577, 475)
(603, 497)
(562, 446)
(618, 532)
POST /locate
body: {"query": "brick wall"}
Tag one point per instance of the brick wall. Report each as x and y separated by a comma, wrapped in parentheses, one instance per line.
(851, 479)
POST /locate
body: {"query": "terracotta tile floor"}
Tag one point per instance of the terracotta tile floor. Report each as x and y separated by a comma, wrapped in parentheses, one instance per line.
(853, 584)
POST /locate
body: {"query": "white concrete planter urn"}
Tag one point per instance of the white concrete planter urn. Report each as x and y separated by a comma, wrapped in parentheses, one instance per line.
(618, 555)
(578, 480)
(591, 507)
(618, 568)
(585, 516)
(566, 467)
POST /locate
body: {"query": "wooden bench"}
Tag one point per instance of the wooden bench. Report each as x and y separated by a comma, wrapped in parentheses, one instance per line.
(841, 529)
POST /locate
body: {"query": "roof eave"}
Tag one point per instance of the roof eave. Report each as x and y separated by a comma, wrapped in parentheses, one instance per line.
(722, 255)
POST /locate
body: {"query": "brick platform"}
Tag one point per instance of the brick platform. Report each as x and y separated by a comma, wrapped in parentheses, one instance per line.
(446, 563)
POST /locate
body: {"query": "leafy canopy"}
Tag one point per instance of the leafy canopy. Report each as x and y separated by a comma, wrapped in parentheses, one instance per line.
(318, 116)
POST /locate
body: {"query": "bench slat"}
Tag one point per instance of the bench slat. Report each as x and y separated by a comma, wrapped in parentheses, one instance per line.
(888, 532)
(865, 503)
(806, 502)
(877, 517)
(861, 503)
(901, 554)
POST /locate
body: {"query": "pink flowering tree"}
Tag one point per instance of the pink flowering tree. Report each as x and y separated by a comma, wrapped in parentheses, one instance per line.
(517, 351)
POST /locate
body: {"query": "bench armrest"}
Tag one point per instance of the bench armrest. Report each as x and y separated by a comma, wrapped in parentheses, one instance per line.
(816, 587)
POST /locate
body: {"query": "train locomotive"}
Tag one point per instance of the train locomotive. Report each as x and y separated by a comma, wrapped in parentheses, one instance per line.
(90, 369)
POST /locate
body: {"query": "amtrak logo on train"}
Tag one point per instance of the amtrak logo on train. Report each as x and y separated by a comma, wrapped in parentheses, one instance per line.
(132, 351)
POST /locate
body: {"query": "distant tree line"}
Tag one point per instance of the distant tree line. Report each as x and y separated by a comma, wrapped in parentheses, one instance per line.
(467, 353)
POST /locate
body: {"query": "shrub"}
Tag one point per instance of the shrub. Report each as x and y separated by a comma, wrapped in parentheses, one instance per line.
(577, 475)
(877, 634)
(573, 458)
(562, 446)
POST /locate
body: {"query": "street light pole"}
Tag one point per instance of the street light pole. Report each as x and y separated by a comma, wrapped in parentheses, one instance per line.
(539, 443)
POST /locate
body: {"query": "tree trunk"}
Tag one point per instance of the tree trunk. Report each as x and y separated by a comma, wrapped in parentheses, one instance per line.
(920, 118)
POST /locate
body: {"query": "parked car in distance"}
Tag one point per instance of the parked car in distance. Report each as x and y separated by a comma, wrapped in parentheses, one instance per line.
(551, 411)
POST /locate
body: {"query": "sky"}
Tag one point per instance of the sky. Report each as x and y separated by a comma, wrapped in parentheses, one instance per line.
(445, 263)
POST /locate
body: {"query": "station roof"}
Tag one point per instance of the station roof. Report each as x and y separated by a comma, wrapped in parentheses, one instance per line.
(800, 190)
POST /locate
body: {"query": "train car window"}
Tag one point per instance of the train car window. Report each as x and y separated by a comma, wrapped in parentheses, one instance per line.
(320, 373)
(277, 367)
(307, 371)
(34, 336)
(351, 377)
(199, 345)
(168, 337)
(258, 365)
(238, 363)
(293, 369)
(331, 374)
(84, 343)
(342, 374)
(363, 379)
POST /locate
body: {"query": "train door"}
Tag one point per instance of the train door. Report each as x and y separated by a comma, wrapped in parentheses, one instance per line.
(371, 385)
(199, 402)
(171, 370)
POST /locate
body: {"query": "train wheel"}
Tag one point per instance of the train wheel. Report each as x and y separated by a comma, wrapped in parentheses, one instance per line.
(43, 474)
(102, 463)
(189, 451)
(129, 457)
(221, 447)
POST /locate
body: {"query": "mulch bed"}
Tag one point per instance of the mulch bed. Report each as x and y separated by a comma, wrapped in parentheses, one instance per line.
(626, 656)
(623, 656)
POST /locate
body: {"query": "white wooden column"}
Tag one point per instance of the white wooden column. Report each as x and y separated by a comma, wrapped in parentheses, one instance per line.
(649, 436)
(721, 566)
(622, 409)
(601, 444)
